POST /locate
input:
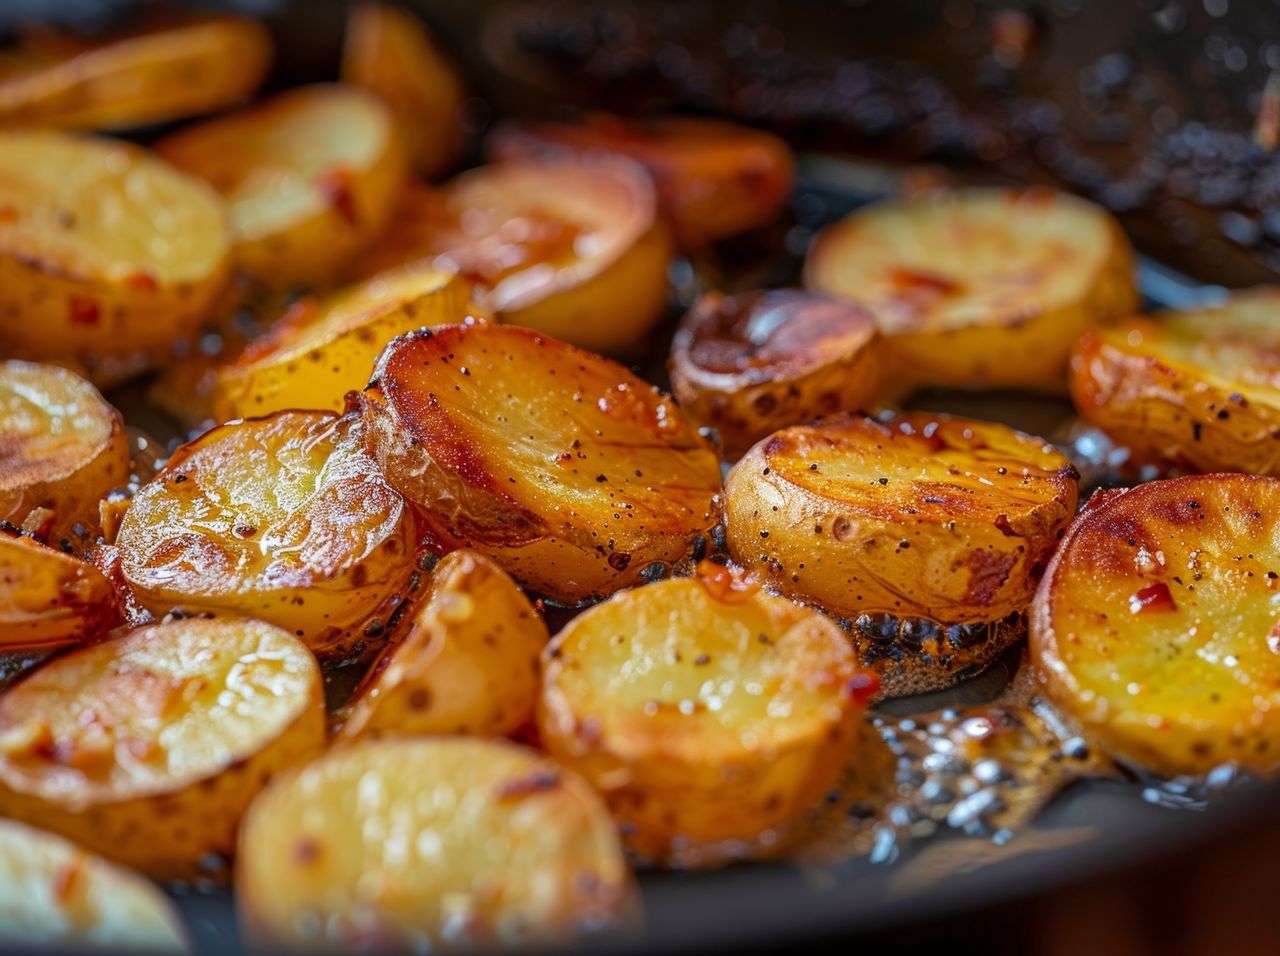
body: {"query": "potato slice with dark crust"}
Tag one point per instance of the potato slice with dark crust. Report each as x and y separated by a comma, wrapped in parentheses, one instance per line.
(433, 843)
(752, 363)
(569, 471)
(310, 176)
(705, 710)
(980, 288)
(1199, 389)
(468, 663)
(148, 748)
(105, 252)
(1156, 623)
(48, 598)
(285, 518)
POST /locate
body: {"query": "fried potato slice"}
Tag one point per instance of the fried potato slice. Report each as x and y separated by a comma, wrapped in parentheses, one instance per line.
(320, 350)
(572, 248)
(981, 287)
(1198, 389)
(1156, 623)
(310, 177)
(148, 748)
(389, 52)
(569, 471)
(467, 665)
(105, 252)
(714, 179)
(48, 598)
(150, 76)
(62, 448)
(427, 843)
(52, 893)
(284, 518)
(752, 363)
(705, 710)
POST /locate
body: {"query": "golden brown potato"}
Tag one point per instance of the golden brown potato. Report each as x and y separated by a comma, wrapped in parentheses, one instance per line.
(752, 363)
(62, 448)
(107, 256)
(389, 52)
(1155, 624)
(572, 248)
(310, 177)
(981, 287)
(48, 598)
(569, 471)
(134, 79)
(431, 843)
(284, 518)
(149, 747)
(52, 893)
(320, 350)
(1199, 390)
(706, 711)
(467, 665)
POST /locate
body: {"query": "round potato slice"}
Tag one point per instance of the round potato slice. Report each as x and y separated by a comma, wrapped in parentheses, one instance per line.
(752, 363)
(706, 711)
(467, 665)
(48, 598)
(106, 253)
(1156, 623)
(982, 287)
(284, 518)
(418, 844)
(62, 449)
(148, 748)
(310, 177)
(1199, 390)
(319, 351)
(569, 471)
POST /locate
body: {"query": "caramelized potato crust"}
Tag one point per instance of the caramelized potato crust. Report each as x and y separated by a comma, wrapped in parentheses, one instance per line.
(48, 598)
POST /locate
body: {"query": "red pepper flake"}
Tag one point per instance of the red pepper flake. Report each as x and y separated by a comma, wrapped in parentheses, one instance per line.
(337, 186)
(725, 584)
(65, 881)
(863, 687)
(1154, 597)
(927, 281)
(142, 281)
(84, 311)
(9, 214)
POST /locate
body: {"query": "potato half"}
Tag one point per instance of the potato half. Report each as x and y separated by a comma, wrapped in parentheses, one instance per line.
(982, 287)
(1198, 389)
(149, 747)
(62, 448)
(320, 350)
(705, 710)
(569, 471)
(310, 177)
(418, 844)
(1156, 623)
(284, 518)
(752, 363)
(468, 663)
(48, 598)
(106, 253)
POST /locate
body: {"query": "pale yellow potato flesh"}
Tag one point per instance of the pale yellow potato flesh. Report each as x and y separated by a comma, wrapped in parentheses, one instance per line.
(49, 598)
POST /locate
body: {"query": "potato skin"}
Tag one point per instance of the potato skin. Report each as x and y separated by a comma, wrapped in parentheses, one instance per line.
(752, 363)
(468, 664)
(48, 598)
(1154, 625)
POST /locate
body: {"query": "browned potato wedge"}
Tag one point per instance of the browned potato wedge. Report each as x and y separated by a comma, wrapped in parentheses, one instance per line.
(62, 448)
(752, 363)
(52, 893)
(284, 518)
(389, 52)
(569, 471)
(310, 177)
(706, 711)
(148, 748)
(1156, 624)
(430, 843)
(105, 252)
(319, 351)
(48, 598)
(134, 79)
(467, 665)
(981, 287)
(1199, 390)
